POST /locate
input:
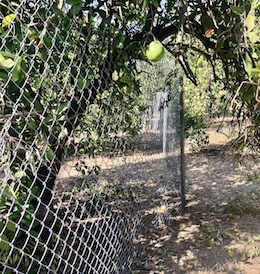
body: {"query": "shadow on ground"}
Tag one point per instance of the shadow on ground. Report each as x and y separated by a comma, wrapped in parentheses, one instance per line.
(219, 233)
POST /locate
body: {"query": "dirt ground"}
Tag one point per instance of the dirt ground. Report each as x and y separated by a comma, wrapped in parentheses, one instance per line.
(220, 232)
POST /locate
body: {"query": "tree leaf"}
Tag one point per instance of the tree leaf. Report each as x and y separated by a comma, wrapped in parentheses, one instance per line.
(170, 5)
(7, 54)
(255, 72)
(73, 2)
(250, 21)
(11, 226)
(6, 63)
(253, 37)
(7, 20)
(248, 93)
(4, 243)
(49, 153)
(155, 3)
(19, 174)
(145, 5)
(8, 190)
(3, 76)
(75, 9)
(255, 4)
(16, 72)
(38, 106)
(237, 10)
(249, 65)
(1, 58)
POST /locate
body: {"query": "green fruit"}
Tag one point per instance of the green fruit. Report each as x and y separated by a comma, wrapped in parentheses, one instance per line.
(155, 51)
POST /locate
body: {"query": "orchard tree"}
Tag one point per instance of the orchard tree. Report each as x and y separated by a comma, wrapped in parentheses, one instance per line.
(61, 61)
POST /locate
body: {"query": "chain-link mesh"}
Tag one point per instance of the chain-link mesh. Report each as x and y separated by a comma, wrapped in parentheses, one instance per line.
(80, 155)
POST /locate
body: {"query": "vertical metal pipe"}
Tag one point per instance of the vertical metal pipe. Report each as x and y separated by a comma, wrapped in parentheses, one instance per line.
(165, 116)
(182, 139)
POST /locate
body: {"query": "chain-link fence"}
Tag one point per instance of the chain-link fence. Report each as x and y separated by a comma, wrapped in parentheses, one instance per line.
(78, 151)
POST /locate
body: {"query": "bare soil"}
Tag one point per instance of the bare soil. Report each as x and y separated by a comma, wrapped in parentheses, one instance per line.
(220, 231)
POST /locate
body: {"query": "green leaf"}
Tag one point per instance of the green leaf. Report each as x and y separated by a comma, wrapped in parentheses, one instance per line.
(170, 5)
(19, 174)
(6, 63)
(33, 34)
(3, 76)
(145, 4)
(38, 106)
(59, 110)
(256, 54)
(253, 37)
(250, 21)
(249, 65)
(49, 119)
(1, 225)
(7, 54)
(47, 41)
(43, 53)
(9, 191)
(27, 219)
(248, 94)
(73, 2)
(255, 72)
(255, 4)
(155, 3)
(11, 226)
(35, 190)
(80, 82)
(237, 10)
(75, 9)
(67, 23)
(19, 70)
(7, 20)
(4, 243)
(1, 58)
(16, 72)
(49, 153)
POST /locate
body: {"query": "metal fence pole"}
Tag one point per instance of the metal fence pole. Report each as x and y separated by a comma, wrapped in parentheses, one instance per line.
(182, 139)
(165, 128)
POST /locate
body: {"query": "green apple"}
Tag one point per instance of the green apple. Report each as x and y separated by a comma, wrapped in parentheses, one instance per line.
(155, 51)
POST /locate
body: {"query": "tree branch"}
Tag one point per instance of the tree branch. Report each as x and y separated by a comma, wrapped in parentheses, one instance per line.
(50, 19)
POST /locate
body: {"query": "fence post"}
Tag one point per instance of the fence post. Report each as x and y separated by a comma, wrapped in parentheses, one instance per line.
(182, 156)
(165, 125)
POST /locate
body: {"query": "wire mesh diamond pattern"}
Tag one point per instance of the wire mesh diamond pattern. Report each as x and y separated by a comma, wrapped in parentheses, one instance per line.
(73, 142)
